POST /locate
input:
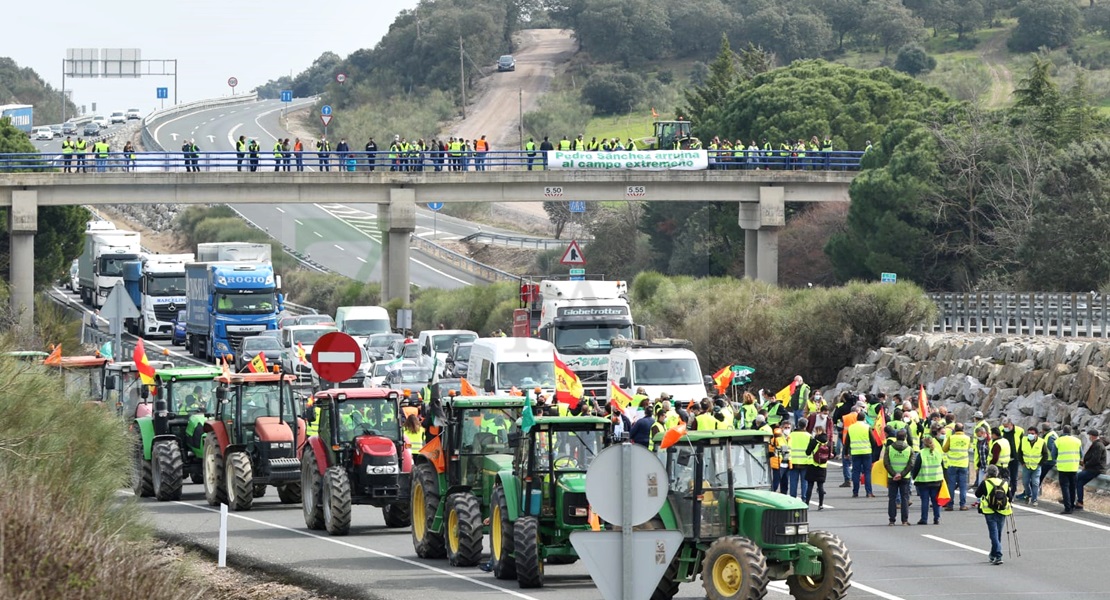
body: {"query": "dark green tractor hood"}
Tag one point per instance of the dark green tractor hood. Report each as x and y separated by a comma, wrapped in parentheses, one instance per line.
(768, 499)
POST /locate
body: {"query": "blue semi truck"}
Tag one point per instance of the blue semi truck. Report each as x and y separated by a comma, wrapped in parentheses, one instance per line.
(228, 300)
(22, 116)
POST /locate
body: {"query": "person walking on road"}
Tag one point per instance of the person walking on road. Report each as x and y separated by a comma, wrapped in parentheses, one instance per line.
(994, 507)
(799, 459)
(1067, 466)
(958, 448)
(1034, 452)
(1094, 464)
(859, 442)
(928, 476)
(819, 452)
(898, 462)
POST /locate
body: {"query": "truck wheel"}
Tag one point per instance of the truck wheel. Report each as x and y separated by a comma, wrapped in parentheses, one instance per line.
(526, 542)
(214, 491)
(396, 515)
(239, 479)
(464, 530)
(836, 571)
(166, 474)
(310, 491)
(141, 476)
(289, 493)
(667, 587)
(337, 501)
(424, 502)
(501, 537)
(734, 569)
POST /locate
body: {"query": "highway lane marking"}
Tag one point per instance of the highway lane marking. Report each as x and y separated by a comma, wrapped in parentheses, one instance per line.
(1063, 517)
(816, 504)
(188, 114)
(279, 209)
(338, 247)
(298, 221)
(363, 260)
(317, 234)
(879, 593)
(956, 544)
(379, 553)
(231, 134)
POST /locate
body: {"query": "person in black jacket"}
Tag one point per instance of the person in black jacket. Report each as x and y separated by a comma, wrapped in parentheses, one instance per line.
(1093, 464)
(371, 148)
(545, 147)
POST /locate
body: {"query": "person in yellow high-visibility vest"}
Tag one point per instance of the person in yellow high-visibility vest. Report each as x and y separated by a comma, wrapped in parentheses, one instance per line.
(413, 432)
(1068, 449)
(859, 446)
(958, 448)
(1034, 452)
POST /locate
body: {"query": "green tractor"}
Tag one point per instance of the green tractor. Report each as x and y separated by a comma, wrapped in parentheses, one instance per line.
(672, 135)
(537, 504)
(738, 535)
(454, 473)
(169, 447)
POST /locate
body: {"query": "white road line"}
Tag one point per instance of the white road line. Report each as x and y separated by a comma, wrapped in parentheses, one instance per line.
(231, 134)
(280, 210)
(879, 593)
(338, 247)
(826, 506)
(1063, 517)
(184, 116)
(379, 553)
(317, 234)
(363, 260)
(957, 544)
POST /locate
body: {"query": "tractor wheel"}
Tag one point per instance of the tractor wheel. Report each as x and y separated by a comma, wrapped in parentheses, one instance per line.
(141, 476)
(501, 537)
(259, 491)
(215, 492)
(836, 571)
(240, 481)
(289, 493)
(526, 543)
(667, 587)
(311, 493)
(337, 501)
(166, 474)
(424, 502)
(464, 530)
(396, 515)
(734, 569)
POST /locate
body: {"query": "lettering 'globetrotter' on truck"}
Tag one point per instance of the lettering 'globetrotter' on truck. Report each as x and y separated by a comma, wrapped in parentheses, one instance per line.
(593, 311)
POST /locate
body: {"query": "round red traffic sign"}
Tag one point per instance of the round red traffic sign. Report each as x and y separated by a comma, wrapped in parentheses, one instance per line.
(232, 81)
(341, 77)
(336, 357)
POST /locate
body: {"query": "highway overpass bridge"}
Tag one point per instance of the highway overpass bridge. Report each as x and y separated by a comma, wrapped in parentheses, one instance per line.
(760, 186)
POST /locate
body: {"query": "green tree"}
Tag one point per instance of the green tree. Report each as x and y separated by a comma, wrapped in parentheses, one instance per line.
(790, 35)
(626, 31)
(913, 60)
(1044, 23)
(696, 26)
(963, 15)
(22, 85)
(613, 92)
(891, 25)
(844, 17)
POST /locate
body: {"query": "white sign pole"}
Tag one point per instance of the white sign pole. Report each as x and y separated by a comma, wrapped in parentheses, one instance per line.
(223, 536)
(627, 542)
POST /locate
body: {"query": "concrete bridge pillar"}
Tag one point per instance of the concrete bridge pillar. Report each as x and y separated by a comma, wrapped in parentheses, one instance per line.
(761, 222)
(22, 225)
(397, 221)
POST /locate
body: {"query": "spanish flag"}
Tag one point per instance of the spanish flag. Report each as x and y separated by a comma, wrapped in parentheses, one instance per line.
(301, 354)
(878, 430)
(785, 393)
(923, 403)
(568, 388)
(258, 363)
(723, 378)
(142, 365)
(618, 398)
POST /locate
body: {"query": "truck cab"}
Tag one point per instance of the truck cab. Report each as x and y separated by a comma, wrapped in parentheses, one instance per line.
(227, 301)
(101, 264)
(659, 366)
(511, 364)
(156, 284)
(360, 322)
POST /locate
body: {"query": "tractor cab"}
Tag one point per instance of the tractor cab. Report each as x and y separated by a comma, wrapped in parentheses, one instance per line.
(123, 389)
(83, 375)
(478, 434)
(738, 535)
(674, 135)
(359, 456)
(252, 440)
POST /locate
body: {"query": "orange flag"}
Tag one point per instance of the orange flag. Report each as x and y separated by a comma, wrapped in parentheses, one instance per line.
(723, 378)
(923, 403)
(944, 497)
(672, 436)
(434, 451)
(466, 388)
(55, 357)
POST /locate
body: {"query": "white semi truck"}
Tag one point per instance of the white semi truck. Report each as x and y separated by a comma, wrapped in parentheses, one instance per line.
(156, 284)
(100, 265)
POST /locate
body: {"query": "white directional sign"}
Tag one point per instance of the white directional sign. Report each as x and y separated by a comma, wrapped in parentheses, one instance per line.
(602, 552)
(573, 255)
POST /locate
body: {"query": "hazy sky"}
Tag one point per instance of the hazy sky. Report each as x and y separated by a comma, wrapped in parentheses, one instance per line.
(211, 39)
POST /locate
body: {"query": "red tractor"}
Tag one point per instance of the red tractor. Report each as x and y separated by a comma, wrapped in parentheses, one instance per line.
(358, 456)
(252, 441)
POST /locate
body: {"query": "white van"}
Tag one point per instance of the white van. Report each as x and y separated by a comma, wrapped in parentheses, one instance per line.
(360, 322)
(501, 363)
(436, 343)
(658, 366)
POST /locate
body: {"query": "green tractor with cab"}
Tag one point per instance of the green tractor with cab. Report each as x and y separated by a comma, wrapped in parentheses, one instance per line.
(170, 436)
(538, 503)
(738, 535)
(453, 476)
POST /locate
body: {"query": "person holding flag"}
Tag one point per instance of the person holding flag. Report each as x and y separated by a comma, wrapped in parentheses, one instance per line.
(928, 477)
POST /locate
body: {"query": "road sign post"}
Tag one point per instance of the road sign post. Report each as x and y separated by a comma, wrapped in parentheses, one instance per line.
(626, 485)
(231, 81)
(117, 308)
(435, 207)
(336, 357)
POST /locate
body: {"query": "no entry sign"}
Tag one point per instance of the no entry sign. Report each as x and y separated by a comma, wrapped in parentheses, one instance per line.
(336, 357)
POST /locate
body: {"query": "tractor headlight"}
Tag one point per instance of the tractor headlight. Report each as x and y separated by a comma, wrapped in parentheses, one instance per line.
(790, 530)
(803, 529)
(383, 470)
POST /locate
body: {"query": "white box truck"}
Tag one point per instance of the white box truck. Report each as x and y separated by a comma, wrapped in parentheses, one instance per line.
(100, 265)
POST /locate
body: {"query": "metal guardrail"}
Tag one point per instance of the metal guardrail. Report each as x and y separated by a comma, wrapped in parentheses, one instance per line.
(1028, 313)
(148, 140)
(463, 263)
(520, 241)
(267, 159)
(299, 309)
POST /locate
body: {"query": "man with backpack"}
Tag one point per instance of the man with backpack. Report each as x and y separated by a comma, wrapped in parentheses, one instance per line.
(820, 450)
(994, 504)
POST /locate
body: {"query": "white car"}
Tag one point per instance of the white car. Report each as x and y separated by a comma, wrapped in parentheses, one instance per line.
(133, 113)
(118, 117)
(101, 122)
(44, 133)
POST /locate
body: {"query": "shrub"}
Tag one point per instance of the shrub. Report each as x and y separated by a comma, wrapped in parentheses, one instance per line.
(913, 60)
(613, 92)
(326, 292)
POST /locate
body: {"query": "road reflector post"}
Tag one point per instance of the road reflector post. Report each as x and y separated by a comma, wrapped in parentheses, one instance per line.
(223, 537)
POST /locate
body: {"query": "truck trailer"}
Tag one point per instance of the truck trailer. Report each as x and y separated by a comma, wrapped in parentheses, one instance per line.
(22, 116)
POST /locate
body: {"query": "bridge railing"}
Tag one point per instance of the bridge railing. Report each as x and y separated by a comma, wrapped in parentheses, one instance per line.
(1059, 314)
(431, 161)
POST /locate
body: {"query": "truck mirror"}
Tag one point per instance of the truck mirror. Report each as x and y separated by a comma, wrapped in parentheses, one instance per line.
(277, 284)
(426, 351)
(514, 439)
(488, 386)
(639, 332)
(709, 380)
(110, 383)
(623, 382)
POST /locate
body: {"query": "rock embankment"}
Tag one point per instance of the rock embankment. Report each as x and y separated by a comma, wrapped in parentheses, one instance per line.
(1029, 379)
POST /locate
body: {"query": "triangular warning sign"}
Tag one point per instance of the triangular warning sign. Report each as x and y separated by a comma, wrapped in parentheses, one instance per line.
(326, 119)
(573, 255)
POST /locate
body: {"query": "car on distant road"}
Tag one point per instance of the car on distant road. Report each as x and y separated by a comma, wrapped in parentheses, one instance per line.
(118, 117)
(69, 128)
(44, 133)
(506, 63)
(178, 338)
(57, 129)
(101, 121)
(133, 114)
(91, 129)
(71, 282)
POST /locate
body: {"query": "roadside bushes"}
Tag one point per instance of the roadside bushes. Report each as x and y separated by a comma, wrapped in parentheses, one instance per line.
(780, 332)
(478, 308)
(326, 291)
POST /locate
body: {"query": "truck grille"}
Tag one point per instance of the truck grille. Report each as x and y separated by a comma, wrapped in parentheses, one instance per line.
(571, 501)
(775, 520)
(167, 312)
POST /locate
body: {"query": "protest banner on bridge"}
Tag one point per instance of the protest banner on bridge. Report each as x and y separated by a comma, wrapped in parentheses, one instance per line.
(650, 160)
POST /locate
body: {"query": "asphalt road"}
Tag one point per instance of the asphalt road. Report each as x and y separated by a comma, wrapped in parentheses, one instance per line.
(343, 238)
(1061, 559)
